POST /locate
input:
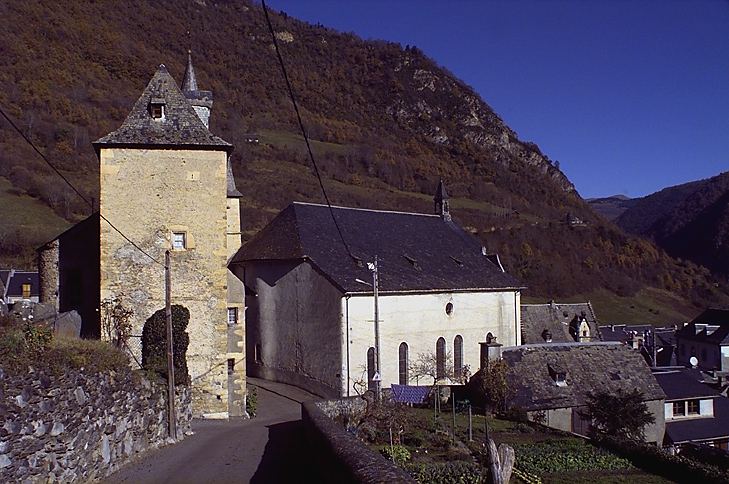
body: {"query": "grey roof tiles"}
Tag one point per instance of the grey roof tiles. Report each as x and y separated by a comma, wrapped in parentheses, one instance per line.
(561, 321)
(590, 367)
(179, 127)
(416, 252)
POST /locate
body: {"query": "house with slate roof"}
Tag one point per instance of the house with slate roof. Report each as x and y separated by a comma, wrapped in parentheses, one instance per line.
(657, 345)
(707, 339)
(694, 412)
(18, 286)
(552, 382)
(166, 185)
(558, 323)
(309, 298)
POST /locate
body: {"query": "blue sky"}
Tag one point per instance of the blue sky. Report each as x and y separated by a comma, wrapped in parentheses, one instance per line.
(629, 96)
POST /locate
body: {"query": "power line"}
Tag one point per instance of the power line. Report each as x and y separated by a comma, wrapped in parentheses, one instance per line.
(43, 157)
(303, 131)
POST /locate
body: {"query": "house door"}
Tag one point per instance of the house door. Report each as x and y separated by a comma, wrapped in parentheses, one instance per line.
(580, 424)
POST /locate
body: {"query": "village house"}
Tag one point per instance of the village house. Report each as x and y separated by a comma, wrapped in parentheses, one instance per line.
(309, 297)
(657, 345)
(166, 184)
(551, 382)
(706, 338)
(558, 323)
(695, 413)
(18, 286)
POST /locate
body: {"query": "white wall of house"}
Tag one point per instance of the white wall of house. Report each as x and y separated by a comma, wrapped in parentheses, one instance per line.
(706, 409)
(710, 356)
(419, 320)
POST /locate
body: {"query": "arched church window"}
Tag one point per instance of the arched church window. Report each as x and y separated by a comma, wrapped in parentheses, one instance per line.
(403, 365)
(440, 358)
(371, 385)
(458, 356)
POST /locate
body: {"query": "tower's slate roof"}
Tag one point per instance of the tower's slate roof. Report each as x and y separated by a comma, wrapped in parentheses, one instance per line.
(589, 367)
(416, 252)
(558, 319)
(180, 127)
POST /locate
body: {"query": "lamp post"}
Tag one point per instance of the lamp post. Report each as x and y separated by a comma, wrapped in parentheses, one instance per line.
(377, 378)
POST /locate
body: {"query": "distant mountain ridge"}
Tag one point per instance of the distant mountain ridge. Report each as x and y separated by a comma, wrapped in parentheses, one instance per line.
(611, 207)
(690, 221)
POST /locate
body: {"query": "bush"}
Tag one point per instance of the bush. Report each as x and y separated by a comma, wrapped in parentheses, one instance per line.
(653, 459)
(399, 454)
(154, 343)
(447, 473)
(23, 345)
(252, 401)
(565, 455)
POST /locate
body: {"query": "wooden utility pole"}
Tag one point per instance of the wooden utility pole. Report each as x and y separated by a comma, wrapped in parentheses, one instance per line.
(170, 355)
(378, 370)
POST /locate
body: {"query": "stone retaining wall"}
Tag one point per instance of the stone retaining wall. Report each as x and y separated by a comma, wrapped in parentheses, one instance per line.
(338, 455)
(78, 427)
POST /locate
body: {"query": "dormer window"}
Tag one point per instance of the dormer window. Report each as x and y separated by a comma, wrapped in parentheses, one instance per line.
(558, 374)
(157, 108)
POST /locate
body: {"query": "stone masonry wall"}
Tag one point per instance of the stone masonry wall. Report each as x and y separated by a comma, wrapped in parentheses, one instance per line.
(338, 455)
(78, 427)
(148, 194)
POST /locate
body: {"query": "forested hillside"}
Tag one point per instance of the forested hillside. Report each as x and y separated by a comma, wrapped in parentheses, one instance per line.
(690, 221)
(386, 121)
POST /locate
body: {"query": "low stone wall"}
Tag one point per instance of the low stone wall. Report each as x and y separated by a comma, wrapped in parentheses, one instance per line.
(78, 427)
(338, 455)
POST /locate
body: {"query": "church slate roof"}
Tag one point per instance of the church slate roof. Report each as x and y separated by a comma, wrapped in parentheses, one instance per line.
(180, 127)
(557, 319)
(416, 252)
(590, 367)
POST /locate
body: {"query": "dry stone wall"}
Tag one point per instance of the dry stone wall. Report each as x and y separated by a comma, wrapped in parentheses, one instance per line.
(78, 427)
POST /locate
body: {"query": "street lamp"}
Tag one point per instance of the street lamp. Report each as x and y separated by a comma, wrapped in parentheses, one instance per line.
(377, 378)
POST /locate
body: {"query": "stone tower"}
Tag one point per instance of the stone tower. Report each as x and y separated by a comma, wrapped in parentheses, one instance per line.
(442, 205)
(166, 183)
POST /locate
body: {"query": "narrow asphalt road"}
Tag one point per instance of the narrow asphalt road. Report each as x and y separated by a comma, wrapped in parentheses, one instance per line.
(266, 449)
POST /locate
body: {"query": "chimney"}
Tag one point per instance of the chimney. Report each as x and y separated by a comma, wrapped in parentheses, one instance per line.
(490, 351)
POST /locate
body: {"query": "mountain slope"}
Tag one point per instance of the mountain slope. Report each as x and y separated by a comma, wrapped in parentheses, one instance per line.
(690, 221)
(611, 207)
(386, 124)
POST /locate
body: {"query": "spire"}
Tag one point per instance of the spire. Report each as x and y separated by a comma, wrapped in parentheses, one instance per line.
(189, 81)
(202, 101)
(442, 206)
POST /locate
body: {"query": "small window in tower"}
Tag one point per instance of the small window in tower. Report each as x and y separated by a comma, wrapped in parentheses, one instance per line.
(179, 240)
(449, 308)
(232, 316)
(157, 108)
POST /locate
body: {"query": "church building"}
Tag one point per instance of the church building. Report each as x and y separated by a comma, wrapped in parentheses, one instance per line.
(310, 299)
(165, 184)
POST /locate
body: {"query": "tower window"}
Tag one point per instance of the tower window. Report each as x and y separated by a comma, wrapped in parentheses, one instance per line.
(232, 316)
(179, 240)
(157, 108)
